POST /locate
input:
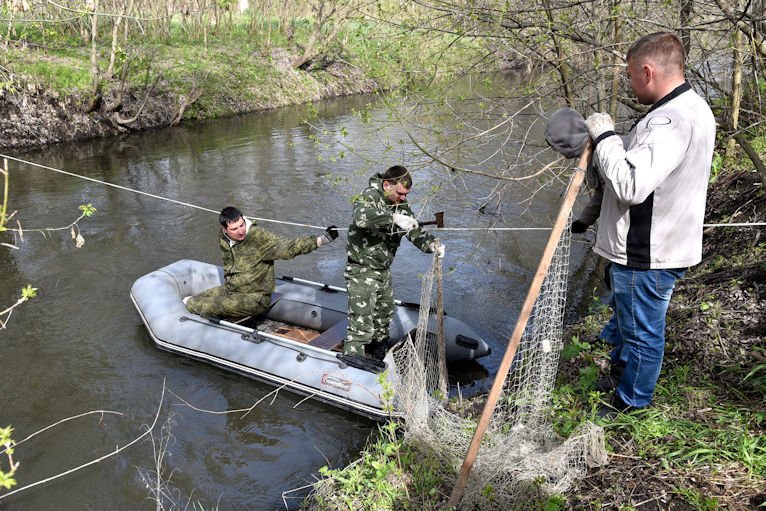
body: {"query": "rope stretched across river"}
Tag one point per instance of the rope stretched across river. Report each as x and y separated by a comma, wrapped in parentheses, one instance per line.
(298, 224)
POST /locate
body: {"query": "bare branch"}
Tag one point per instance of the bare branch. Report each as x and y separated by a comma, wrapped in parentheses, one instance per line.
(746, 27)
(121, 121)
(95, 461)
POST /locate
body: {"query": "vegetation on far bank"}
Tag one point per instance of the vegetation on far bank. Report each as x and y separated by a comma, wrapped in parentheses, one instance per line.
(149, 80)
(237, 71)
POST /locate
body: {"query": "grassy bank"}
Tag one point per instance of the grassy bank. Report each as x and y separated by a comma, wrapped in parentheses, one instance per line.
(46, 81)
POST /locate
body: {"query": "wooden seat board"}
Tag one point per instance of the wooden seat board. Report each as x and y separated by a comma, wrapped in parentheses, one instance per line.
(332, 338)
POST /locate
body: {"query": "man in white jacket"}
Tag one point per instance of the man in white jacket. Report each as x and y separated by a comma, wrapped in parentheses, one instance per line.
(651, 217)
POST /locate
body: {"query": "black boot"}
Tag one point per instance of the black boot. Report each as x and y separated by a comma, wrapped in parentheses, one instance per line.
(614, 407)
(612, 379)
(376, 350)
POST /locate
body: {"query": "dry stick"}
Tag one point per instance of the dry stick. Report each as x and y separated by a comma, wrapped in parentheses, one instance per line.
(116, 451)
(526, 310)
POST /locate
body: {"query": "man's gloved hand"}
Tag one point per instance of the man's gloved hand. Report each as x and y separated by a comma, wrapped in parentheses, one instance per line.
(329, 234)
(405, 222)
(579, 227)
(598, 124)
(438, 249)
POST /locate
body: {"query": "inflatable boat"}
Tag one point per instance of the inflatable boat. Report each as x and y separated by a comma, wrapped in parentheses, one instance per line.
(296, 344)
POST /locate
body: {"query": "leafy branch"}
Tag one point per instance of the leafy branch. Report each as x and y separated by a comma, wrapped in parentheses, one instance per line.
(86, 210)
(6, 442)
(30, 292)
(26, 293)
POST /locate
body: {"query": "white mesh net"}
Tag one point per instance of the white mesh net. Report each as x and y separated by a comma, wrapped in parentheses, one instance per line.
(521, 459)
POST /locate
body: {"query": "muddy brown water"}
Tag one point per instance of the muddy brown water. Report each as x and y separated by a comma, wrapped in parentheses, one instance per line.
(80, 346)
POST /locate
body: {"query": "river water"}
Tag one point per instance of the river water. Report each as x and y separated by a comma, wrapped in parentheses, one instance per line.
(80, 346)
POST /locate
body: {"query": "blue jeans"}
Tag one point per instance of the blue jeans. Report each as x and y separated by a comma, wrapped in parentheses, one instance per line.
(640, 301)
(611, 334)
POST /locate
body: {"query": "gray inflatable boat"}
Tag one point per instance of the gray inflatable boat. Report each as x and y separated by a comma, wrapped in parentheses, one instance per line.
(297, 344)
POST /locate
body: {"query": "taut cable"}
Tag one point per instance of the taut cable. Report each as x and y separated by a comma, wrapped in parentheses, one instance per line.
(297, 224)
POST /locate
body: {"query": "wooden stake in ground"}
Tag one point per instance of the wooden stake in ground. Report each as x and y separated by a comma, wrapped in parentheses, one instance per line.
(521, 324)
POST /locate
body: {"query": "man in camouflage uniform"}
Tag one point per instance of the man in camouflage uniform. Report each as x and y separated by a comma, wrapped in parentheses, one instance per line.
(381, 218)
(248, 266)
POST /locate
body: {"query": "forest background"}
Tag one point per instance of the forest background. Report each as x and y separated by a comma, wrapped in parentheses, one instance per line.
(81, 69)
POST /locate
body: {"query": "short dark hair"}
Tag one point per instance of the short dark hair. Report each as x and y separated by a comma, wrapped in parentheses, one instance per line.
(398, 174)
(664, 49)
(228, 215)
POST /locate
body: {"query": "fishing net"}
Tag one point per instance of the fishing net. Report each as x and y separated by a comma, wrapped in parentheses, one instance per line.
(521, 460)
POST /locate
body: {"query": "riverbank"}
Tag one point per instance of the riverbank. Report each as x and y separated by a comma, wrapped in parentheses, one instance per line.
(702, 443)
(46, 90)
(35, 114)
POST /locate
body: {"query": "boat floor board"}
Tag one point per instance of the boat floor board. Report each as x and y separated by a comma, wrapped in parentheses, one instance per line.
(279, 328)
(296, 334)
(332, 338)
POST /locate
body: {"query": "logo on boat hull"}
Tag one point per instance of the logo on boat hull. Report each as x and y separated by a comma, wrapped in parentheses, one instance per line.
(336, 382)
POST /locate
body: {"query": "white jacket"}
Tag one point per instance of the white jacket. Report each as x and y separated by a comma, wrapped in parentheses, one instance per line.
(655, 185)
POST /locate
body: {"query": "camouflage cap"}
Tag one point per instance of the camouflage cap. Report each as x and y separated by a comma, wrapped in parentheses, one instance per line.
(566, 132)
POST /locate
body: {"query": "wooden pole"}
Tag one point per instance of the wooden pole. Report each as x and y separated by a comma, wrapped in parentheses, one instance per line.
(440, 341)
(521, 324)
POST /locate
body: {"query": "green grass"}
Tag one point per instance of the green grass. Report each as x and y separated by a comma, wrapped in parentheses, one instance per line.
(389, 474)
(689, 423)
(693, 424)
(236, 70)
(61, 76)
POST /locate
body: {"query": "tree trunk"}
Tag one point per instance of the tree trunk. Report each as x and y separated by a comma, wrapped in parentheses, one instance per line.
(126, 30)
(687, 9)
(561, 63)
(736, 89)
(757, 162)
(115, 37)
(123, 122)
(95, 101)
(616, 62)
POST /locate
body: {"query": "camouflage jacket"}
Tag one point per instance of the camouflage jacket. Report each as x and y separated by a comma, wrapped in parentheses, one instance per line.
(373, 238)
(248, 265)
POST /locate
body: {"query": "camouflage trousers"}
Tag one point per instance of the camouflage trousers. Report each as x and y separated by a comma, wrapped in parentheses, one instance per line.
(370, 307)
(218, 302)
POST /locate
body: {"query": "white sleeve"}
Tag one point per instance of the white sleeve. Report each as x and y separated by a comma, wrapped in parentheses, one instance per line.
(656, 149)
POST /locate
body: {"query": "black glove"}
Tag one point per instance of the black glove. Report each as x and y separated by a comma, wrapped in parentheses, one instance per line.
(327, 236)
(579, 227)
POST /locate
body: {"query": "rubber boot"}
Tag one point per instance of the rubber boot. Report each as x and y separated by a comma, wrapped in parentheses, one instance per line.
(612, 379)
(613, 407)
(376, 350)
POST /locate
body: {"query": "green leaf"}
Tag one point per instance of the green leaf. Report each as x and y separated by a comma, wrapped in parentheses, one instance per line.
(87, 209)
(6, 481)
(28, 292)
(5, 435)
